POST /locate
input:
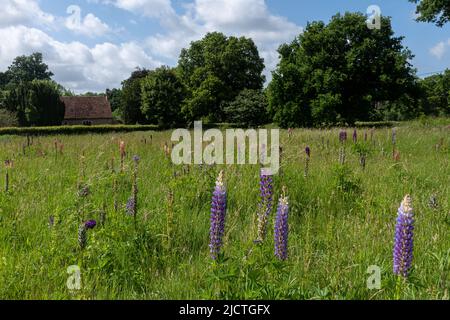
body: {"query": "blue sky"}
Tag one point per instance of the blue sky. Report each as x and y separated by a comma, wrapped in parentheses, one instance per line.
(92, 45)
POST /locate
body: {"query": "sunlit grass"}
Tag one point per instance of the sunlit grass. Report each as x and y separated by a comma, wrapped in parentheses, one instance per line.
(341, 221)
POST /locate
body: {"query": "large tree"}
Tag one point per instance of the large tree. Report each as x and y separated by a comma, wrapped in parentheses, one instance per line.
(4, 80)
(215, 70)
(162, 96)
(436, 94)
(338, 72)
(27, 69)
(436, 11)
(114, 97)
(130, 106)
(36, 103)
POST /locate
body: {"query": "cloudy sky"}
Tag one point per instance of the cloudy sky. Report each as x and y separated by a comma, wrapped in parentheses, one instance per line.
(92, 45)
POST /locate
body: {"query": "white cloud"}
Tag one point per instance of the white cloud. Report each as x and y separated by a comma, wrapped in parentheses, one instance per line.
(93, 68)
(250, 18)
(89, 26)
(75, 65)
(16, 12)
(148, 8)
(439, 50)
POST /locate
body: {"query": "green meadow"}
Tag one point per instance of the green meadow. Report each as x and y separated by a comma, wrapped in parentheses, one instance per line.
(341, 218)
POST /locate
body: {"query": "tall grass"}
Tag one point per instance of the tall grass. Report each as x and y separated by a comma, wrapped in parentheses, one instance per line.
(341, 219)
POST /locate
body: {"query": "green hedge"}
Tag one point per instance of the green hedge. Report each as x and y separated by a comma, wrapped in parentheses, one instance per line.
(67, 130)
(377, 124)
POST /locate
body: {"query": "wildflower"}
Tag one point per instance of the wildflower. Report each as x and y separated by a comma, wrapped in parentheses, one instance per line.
(394, 136)
(218, 214)
(342, 136)
(362, 160)
(433, 203)
(265, 206)
(122, 153)
(83, 191)
(82, 236)
(282, 228)
(122, 149)
(342, 155)
(307, 159)
(131, 206)
(90, 224)
(166, 150)
(102, 217)
(308, 151)
(403, 244)
(9, 164)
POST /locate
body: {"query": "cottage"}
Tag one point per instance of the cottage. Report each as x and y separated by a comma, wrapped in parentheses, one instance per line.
(87, 111)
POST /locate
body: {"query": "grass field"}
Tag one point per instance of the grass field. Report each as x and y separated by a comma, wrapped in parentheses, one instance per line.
(342, 219)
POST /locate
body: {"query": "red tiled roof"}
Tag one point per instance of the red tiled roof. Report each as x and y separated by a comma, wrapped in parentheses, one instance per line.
(87, 108)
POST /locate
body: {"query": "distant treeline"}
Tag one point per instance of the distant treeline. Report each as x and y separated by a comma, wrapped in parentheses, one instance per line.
(332, 74)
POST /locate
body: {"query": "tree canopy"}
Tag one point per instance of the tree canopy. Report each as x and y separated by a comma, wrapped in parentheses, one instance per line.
(436, 11)
(162, 97)
(338, 73)
(436, 94)
(215, 70)
(130, 106)
(248, 109)
(36, 103)
(27, 69)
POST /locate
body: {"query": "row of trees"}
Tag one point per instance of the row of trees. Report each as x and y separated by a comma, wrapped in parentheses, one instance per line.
(333, 73)
(213, 77)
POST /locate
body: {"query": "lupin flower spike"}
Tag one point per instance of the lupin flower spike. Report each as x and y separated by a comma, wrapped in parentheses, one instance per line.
(404, 238)
(265, 205)
(218, 214)
(282, 228)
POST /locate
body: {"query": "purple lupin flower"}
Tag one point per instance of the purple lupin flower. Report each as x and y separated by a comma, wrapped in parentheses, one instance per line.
(355, 136)
(90, 224)
(131, 206)
(218, 214)
(308, 151)
(404, 236)
(282, 228)
(342, 136)
(265, 205)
